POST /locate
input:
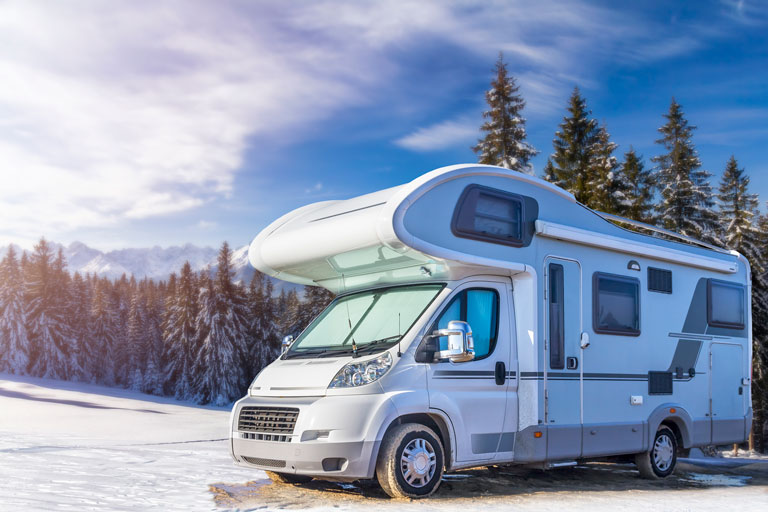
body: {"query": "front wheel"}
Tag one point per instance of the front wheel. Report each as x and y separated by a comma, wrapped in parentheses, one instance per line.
(288, 478)
(410, 463)
(660, 462)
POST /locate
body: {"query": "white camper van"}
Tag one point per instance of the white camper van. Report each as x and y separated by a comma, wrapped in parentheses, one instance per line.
(485, 317)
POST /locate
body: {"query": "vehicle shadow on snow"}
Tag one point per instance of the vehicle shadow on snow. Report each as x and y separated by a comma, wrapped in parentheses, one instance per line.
(492, 482)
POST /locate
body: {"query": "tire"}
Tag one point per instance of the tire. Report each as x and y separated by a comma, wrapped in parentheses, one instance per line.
(288, 478)
(410, 463)
(660, 462)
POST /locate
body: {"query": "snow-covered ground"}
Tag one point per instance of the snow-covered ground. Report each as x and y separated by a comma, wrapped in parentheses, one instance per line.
(67, 446)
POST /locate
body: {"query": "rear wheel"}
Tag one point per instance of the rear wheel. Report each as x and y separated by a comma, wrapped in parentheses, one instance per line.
(288, 478)
(410, 463)
(660, 462)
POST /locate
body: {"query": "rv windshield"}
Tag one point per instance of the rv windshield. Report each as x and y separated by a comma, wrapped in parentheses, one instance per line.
(364, 322)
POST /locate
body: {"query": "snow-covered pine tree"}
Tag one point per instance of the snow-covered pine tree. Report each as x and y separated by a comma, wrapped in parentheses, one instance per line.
(135, 343)
(573, 146)
(261, 331)
(504, 142)
(152, 351)
(14, 343)
(738, 210)
(221, 363)
(287, 314)
(102, 333)
(640, 188)
(741, 232)
(180, 335)
(760, 342)
(78, 312)
(316, 298)
(606, 183)
(686, 197)
(52, 347)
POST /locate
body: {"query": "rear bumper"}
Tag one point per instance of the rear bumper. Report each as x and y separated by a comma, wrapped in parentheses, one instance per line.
(334, 437)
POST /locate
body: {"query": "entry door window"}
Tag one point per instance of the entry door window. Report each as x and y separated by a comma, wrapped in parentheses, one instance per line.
(479, 307)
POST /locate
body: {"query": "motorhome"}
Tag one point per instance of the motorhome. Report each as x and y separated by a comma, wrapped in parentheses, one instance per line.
(485, 317)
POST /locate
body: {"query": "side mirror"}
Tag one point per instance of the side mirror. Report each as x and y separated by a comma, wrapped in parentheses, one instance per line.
(287, 342)
(461, 345)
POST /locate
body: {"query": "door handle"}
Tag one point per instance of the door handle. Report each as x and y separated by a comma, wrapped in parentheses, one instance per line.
(572, 363)
(501, 373)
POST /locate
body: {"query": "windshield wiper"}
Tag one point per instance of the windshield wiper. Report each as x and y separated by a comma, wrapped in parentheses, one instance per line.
(301, 353)
(371, 345)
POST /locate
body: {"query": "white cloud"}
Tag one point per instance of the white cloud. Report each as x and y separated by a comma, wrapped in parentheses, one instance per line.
(441, 135)
(134, 109)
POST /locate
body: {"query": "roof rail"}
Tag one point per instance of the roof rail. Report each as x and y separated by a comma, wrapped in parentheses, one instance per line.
(655, 229)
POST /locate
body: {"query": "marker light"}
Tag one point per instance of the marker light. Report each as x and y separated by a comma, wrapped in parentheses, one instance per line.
(537, 435)
(673, 410)
(360, 374)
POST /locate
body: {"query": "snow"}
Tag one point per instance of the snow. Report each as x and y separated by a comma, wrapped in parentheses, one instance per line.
(73, 446)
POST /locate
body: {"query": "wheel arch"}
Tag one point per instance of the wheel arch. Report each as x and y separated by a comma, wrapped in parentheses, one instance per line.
(433, 420)
(677, 419)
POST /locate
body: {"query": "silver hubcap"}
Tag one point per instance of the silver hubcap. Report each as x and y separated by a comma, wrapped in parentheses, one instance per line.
(663, 452)
(418, 462)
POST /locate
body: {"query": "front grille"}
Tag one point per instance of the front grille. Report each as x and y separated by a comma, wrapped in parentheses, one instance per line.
(270, 463)
(271, 420)
(265, 437)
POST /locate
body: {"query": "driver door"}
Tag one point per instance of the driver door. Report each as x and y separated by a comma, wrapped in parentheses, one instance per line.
(473, 393)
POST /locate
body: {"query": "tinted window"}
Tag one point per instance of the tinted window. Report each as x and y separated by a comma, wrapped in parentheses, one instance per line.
(725, 304)
(616, 304)
(556, 317)
(479, 308)
(491, 215)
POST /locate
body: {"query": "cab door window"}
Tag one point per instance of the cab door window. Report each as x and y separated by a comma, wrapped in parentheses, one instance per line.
(479, 307)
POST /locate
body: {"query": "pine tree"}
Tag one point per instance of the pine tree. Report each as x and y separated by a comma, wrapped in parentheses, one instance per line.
(640, 188)
(153, 336)
(78, 313)
(287, 313)
(573, 145)
(102, 336)
(738, 209)
(261, 333)
(504, 142)
(606, 183)
(53, 349)
(135, 343)
(760, 339)
(180, 336)
(221, 362)
(14, 343)
(686, 197)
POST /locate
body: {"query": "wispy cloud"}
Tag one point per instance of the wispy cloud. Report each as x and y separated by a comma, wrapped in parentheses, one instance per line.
(441, 135)
(139, 109)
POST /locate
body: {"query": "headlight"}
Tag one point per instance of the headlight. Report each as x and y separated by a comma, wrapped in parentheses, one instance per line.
(360, 374)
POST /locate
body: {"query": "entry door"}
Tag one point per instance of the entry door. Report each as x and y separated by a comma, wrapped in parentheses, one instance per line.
(562, 380)
(469, 392)
(727, 393)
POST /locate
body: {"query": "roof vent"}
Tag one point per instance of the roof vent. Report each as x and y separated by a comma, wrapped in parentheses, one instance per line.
(659, 280)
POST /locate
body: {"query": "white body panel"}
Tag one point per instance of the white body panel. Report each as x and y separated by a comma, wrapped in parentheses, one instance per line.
(611, 403)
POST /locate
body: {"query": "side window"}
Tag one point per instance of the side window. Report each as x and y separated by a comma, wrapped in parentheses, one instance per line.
(480, 308)
(615, 304)
(556, 317)
(725, 304)
(489, 215)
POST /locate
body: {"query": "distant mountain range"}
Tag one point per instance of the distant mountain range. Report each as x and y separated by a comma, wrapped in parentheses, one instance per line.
(155, 262)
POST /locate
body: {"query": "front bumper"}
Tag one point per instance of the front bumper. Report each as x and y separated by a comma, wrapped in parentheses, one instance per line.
(335, 437)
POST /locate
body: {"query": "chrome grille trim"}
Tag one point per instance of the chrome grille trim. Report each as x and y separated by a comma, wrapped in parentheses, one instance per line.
(268, 420)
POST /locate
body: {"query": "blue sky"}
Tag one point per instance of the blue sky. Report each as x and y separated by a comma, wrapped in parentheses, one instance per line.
(132, 124)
